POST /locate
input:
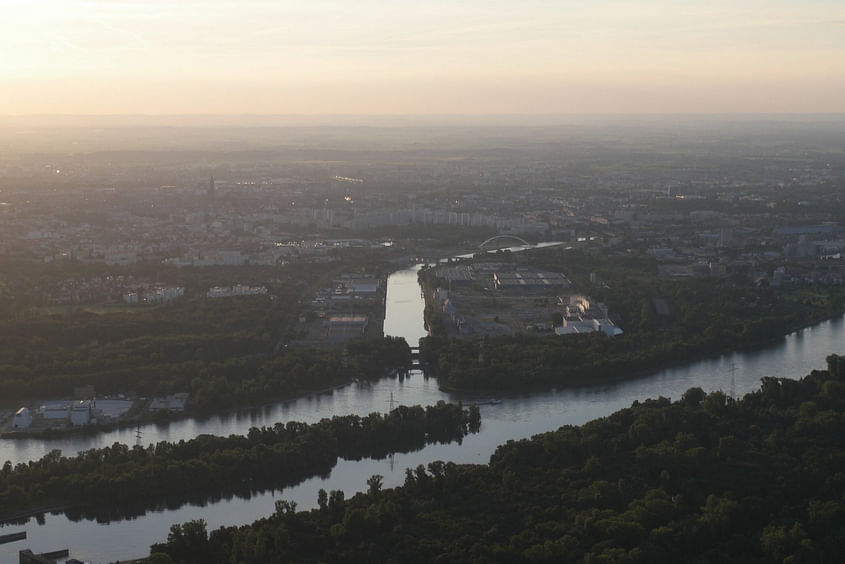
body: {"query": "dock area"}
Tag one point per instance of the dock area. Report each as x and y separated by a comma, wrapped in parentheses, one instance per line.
(12, 537)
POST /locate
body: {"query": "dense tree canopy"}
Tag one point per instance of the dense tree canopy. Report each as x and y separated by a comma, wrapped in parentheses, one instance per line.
(223, 352)
(118, 480)
(704, 479)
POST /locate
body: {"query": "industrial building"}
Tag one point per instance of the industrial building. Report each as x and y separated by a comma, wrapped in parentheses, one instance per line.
(343, 327)
(173, 402)
(583, 315)
(76, 413)
(530, 281)
(23, 418)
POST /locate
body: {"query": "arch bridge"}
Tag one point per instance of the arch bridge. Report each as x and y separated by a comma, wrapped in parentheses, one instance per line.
(499, 237)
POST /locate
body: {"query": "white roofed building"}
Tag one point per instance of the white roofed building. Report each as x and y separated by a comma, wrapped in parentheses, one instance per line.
(23, 418)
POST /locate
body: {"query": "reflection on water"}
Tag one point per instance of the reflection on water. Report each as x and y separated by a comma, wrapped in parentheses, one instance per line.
(516, 417)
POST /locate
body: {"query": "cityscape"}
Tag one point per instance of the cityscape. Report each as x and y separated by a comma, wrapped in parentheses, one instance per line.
(143, 291)
(456, 282)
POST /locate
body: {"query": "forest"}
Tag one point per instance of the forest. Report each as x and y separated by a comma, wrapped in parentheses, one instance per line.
(224, 352)
(707, 478)
(120, 481)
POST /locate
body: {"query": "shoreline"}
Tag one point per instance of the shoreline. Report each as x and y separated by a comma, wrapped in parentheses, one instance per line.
(50, 434)
(11, 518)
(581, 382)
(636, 374)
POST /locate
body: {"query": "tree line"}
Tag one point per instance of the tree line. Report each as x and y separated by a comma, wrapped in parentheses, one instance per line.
(706, 478)
(120, 481)
(218, 371)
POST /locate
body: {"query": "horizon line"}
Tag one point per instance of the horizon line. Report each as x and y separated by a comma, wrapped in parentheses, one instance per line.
(456, 114)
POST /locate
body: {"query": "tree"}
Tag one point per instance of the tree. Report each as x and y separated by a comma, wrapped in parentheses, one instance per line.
(336, 502)
(836, 366)
(693, 397)
(374, 484)
(285, 507)
(718, 512)
(188, 542)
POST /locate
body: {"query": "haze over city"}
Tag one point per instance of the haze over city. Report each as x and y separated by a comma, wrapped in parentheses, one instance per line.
(379, 57)
(447, 281)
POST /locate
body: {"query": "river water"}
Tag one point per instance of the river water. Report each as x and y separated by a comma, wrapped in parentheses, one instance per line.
(515, 417)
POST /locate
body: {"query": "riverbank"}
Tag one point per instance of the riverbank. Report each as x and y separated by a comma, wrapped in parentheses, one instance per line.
(510, 339)
(162, 417)
(583, 380)
(119, 482)
(166, 418)
(20, 517)
(514, 419)
(355, 360)
(704, 454)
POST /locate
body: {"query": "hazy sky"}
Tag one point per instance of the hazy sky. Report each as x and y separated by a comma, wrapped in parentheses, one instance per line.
(421, 57)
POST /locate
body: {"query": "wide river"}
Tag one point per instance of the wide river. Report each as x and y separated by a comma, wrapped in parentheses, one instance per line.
(515, 417)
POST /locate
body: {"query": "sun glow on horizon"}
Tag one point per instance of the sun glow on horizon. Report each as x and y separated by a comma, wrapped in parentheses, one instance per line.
(375, 56)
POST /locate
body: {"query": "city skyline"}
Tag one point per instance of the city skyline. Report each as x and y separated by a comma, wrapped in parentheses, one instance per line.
(377, 57)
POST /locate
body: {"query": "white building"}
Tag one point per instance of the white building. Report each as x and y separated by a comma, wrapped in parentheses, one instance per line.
(55, 410)
(362, 286)
(80, 413)
(23, 418)
(173, 402)
(164, 294)
(236, 290)
(585, 316)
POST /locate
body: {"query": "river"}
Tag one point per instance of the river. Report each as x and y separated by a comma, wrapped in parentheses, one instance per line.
(515, 417)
